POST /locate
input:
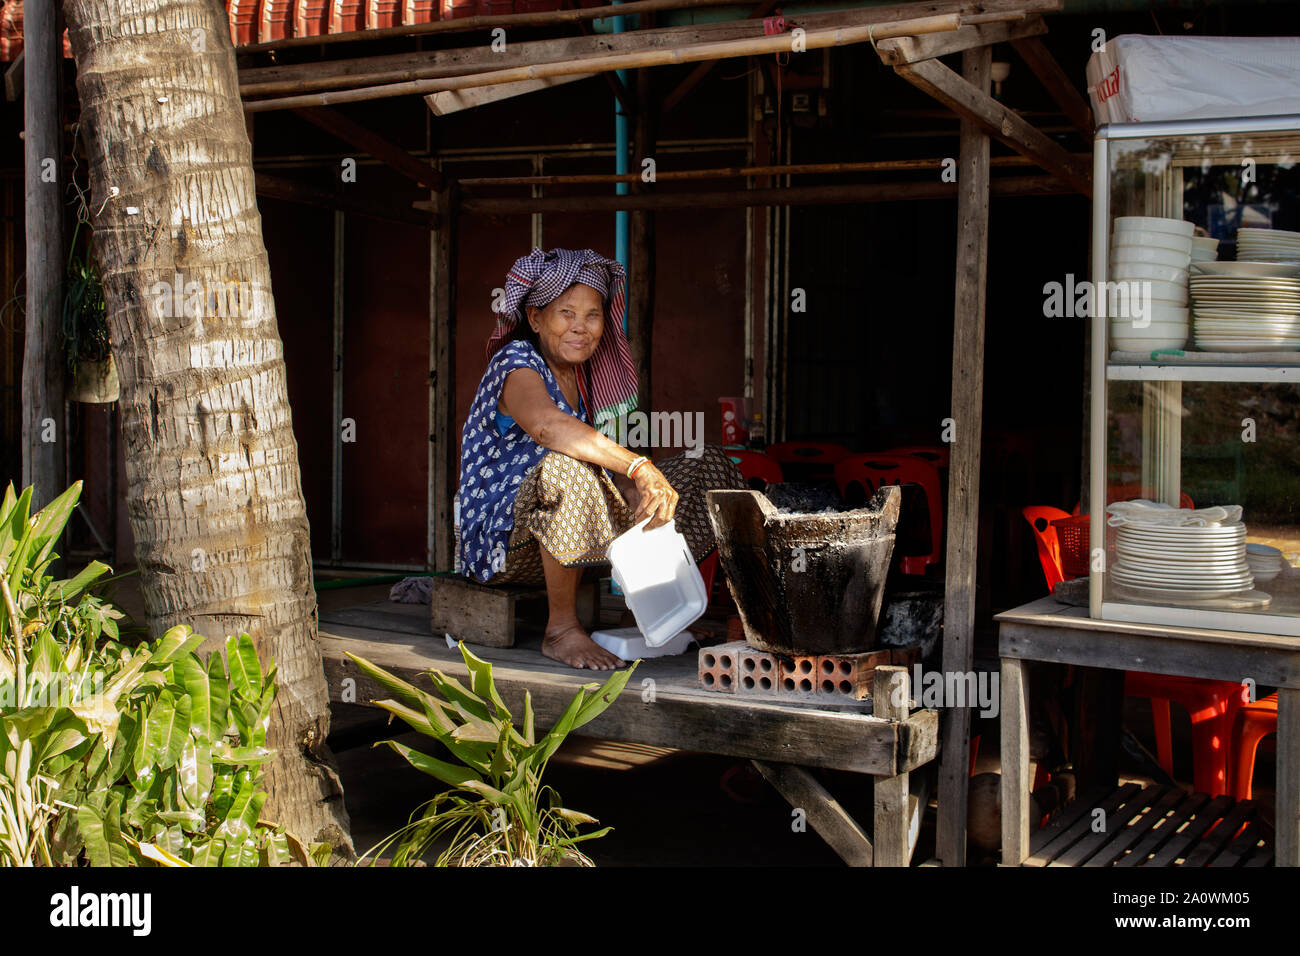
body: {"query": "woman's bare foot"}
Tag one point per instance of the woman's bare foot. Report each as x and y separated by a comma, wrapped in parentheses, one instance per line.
(569, 644)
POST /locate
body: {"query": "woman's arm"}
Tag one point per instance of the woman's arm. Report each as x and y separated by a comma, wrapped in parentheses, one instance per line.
(530, 404)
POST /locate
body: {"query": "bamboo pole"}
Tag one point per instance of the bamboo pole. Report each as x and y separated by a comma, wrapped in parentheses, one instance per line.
(468, 24)
(693, 53)
(738, 172)
(351, 72)
(739, 198)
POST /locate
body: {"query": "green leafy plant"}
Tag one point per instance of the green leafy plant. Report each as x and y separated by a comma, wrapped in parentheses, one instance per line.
(498, 812)
(55, 699)
(85, 313)
(181, 783)
(122, 755)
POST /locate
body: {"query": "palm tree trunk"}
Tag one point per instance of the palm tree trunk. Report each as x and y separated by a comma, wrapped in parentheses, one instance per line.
(213, 488)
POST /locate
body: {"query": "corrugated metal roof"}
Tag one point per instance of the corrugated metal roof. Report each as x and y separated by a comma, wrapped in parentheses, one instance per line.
(259, 21)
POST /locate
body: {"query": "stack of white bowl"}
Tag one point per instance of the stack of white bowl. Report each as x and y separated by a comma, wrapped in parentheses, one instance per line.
(1156, 252)
(1265, 561)
(1204, 249)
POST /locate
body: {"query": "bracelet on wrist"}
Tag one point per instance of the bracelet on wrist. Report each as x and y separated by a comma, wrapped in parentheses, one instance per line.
(637, 462)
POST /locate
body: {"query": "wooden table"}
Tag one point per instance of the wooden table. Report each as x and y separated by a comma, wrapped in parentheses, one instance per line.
(664, 705)
(1046, 630)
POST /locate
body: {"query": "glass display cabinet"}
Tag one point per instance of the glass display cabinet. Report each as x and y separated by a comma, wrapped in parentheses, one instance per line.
(1195, 377)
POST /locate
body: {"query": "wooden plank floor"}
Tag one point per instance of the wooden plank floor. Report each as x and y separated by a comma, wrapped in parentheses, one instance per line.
(1153, 826)
(662, 706)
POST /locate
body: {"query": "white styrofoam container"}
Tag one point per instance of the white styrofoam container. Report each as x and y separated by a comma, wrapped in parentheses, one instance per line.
(1141, 79)
(626, 643)
(660, 582)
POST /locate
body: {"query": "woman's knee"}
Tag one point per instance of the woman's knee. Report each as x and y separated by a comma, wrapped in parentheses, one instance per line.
(560, 470)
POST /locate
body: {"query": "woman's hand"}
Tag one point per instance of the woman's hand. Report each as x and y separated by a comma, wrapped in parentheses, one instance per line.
(657, 497)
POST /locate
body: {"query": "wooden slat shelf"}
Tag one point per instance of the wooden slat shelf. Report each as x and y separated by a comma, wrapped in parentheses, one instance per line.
(1153, 826)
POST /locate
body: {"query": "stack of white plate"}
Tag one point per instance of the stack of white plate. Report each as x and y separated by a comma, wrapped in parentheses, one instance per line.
(1244, 312)
(1156, 253)
(1204, 249)
(1188, 562)
(1265, 562)
(1268, 245)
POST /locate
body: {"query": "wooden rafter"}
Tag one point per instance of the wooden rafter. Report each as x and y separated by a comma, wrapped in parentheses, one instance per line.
(914, 49)
(995, 119)
(812, 40)
(289, 190)
(453, 101)
(350, 131)
(1044, 66)
(776, 196)
(429, 64)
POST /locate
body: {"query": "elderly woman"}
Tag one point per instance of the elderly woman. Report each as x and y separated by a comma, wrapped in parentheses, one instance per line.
(543, 490)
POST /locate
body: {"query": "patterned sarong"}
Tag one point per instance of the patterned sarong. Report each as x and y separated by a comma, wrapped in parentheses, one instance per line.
(574, 510)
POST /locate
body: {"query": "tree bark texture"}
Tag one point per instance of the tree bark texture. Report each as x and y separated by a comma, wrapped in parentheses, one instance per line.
(213, 486)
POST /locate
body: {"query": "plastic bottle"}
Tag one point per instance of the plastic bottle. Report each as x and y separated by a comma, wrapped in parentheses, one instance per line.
(757, 435)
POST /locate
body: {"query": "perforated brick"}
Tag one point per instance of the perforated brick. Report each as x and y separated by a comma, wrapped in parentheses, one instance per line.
(719, 666)
(798, 675)
(849, 675)
(759, 671)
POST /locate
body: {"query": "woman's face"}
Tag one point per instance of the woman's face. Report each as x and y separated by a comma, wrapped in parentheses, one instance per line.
(570, 326)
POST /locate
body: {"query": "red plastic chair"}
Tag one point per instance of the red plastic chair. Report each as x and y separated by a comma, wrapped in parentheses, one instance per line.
(807, 460)
(1211, 704)
(937, 455)
(1252, 722)
(1040, 518)
(758, 470)
(871, 472)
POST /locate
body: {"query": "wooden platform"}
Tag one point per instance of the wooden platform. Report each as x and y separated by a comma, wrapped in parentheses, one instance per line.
(663, 705)
(1153, 826)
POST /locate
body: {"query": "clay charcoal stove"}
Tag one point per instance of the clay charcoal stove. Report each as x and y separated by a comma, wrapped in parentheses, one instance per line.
(807, 581)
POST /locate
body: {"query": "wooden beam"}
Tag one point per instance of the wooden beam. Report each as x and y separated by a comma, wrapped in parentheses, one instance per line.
(995, 119)
(687, 718)
(44, 371)
(289, 190)
(1288, 777)
(826, 814)
(613, 80)
(14, 79)
(641, 252)
(669, 56)
(426, 64)
(700, 72)
(388, 153)
(1013, 718)
(891, 699)
(1067, 96)
(964, 467)
(442, 381)
(914, 49)
(453, 101)
(740, 172)
(740, 198)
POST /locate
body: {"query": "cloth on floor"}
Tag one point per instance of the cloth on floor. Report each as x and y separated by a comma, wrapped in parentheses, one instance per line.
(417, 590)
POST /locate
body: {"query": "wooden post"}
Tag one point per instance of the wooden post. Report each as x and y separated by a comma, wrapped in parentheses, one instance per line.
(1287, 842)
(43, 363)
(444, 471)
(890, 697)
(641, 253)
(964, 471)
(1014, 721)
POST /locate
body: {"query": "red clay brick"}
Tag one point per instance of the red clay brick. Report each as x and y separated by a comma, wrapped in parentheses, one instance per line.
(720, 666)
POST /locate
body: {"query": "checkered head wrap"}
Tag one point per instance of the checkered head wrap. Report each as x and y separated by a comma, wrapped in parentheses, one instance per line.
(537, 279)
